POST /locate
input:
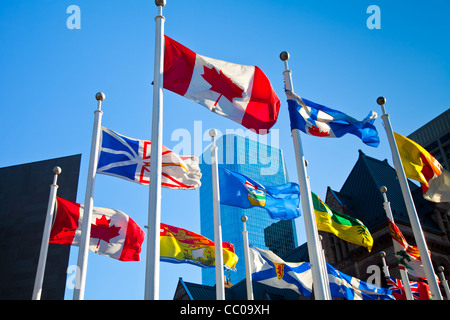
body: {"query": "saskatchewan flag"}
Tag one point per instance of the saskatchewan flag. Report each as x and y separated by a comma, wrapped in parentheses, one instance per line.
(345, 227)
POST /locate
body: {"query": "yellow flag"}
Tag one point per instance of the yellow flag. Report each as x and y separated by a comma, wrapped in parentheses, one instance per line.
(417, 162)
(345, 227)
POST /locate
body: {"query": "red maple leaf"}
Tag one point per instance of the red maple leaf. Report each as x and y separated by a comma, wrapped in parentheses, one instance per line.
(221, 84)
(315, 131)
(102, 231)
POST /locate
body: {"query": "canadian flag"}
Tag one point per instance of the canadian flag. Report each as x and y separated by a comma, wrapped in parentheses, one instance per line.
(241, 93)
(113, 233)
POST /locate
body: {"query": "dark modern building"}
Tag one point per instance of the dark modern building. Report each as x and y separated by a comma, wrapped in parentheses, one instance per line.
(360, 197)
(24, 193)
(435, 138)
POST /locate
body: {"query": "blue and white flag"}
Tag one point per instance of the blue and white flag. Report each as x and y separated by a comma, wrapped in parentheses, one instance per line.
(271, 270)
(281, 202)
(350, 288)
(321, 121)
(129, 159)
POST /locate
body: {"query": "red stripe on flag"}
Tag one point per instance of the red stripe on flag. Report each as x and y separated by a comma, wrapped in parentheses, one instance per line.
(66, 222)
(177, 183)
(133, 241)
(262, 110)
(179, 63)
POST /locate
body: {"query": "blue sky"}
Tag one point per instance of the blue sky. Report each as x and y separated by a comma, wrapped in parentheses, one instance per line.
(50, 74)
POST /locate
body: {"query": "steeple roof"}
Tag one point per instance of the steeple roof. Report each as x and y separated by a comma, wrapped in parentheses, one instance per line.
(361, 198)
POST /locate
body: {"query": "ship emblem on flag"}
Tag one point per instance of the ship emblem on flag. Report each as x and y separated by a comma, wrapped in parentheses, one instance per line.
(256, 196)
(129, 159)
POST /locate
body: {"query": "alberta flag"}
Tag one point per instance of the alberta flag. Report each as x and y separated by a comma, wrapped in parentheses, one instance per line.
(238, 190)
(321, 121)
(129, 159)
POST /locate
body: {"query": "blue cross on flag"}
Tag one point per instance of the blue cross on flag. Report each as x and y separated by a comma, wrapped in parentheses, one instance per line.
(129, 159)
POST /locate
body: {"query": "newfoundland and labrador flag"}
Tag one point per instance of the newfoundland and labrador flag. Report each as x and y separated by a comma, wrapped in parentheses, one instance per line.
(281, 202)
(129, 159)
(179, 245)
(321, 121)
(241, 93)
(113, 233)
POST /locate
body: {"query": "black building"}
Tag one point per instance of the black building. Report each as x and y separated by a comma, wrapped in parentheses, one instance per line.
(24, 193)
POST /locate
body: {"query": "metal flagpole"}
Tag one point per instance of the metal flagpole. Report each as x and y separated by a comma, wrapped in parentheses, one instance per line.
(415, 223)
(385, 267)
(320, 282)
(220, 286)
(444, 281)
(403, 273)
(248, 272)
(83, 251)
(39, 280)
(154, 207)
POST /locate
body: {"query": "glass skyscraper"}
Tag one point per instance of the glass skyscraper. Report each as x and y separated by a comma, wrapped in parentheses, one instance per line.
(266, 165)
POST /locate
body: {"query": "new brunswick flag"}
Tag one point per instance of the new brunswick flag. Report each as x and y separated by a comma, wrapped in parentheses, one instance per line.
(345, 227)
(182, 246)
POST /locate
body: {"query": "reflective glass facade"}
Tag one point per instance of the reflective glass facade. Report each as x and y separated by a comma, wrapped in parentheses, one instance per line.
(258, 161)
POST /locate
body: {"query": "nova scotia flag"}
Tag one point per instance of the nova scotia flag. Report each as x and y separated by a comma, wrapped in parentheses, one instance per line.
(129, 159)
(271, 270)
(321, 121)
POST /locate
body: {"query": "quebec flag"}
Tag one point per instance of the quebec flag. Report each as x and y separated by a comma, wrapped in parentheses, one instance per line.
(129, 159)
(321, 121)
(350, 288)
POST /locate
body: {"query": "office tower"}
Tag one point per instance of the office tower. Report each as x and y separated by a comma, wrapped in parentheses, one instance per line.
(264, 164)
(24, 193)
(434, 136)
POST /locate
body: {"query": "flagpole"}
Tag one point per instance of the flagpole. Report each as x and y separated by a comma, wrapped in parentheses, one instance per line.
(248, 273)
(385, 266)
(220, 286)
(78, 293)
(154, 207)
(39, 280)
(403, 273)
(444, 281)
(411, 209)
(320, 282)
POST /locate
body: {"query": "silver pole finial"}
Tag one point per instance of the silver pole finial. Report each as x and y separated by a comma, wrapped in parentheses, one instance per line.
(100, 96)
(284, 56)
(161, 3)
(381, 101)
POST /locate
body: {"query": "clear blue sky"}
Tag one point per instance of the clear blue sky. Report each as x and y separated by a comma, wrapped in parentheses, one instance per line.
(49, 75)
